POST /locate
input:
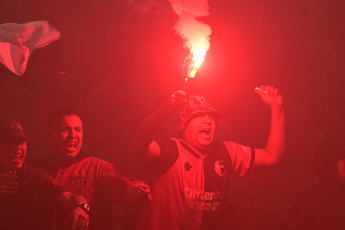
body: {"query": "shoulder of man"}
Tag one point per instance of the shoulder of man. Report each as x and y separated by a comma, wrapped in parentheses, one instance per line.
(31, 175)
(30, 170)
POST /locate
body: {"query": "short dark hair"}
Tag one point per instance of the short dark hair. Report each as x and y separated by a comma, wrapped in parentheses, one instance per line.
(59, 113)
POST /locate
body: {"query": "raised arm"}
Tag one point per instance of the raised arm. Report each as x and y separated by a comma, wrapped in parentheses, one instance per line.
(275, 146)
(143, 143)
(119, 188)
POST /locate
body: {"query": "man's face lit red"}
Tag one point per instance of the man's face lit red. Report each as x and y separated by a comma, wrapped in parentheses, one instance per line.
(12, 154)
(67, 136)
(200, 131)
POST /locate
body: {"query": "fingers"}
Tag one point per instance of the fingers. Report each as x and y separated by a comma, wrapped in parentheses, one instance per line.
(142, 197)
(4, 189)
(178, 93)
(139, 193)
(266, 89)
(139, 190)
(8, 183)
(175, 102)
(269, 94)
(142, 192)
(178, 99)
(82, 223)
(77, 219)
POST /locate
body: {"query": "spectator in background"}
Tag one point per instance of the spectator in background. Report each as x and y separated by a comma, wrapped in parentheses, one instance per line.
(28, 197)
(97, 180)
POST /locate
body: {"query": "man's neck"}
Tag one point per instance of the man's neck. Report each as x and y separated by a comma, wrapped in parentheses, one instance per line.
(199, 151)
(61, 159)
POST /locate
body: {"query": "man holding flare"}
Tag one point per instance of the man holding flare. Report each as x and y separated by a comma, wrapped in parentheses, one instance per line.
(194, 170)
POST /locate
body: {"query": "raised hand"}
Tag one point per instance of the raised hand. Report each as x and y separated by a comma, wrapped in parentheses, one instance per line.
(175, 102)
(269, 95)
(178, 99)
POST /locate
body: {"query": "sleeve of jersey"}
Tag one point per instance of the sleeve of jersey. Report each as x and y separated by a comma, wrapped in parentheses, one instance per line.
(113, 182)
(242, 158)
(168, 155)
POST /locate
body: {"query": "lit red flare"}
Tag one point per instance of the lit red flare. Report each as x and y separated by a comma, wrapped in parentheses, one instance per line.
(194, 32)
(198, 58)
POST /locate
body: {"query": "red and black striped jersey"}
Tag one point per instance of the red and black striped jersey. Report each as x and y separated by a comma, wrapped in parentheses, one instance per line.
(190, 188)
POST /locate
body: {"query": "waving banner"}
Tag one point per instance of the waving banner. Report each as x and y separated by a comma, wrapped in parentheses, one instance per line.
(18, 41)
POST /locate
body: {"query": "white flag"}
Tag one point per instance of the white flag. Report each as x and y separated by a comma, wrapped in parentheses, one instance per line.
(18, 41)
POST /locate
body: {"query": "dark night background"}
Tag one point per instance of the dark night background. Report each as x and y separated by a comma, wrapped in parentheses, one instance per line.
(118, 61)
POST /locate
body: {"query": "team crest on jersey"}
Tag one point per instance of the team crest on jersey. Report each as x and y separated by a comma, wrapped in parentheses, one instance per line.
(187, 166)
(219, 167)
(77, 183)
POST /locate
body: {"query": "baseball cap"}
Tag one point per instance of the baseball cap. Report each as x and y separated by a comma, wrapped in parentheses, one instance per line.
(196, 106)
(11, 129)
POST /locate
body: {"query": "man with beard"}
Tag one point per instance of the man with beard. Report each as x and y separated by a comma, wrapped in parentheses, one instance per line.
(193, 171)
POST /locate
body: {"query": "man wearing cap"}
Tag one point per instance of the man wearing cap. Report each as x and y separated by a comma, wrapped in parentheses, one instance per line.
(99, 181)
(27, 195)
(193, 171)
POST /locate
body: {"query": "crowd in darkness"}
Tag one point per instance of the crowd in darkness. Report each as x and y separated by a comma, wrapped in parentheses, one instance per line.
(102, 65)
(189, 181)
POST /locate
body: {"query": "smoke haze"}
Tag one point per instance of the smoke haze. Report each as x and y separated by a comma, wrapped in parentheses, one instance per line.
(189, 27)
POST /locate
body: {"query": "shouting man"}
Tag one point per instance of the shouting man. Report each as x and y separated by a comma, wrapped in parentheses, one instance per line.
(194, 170)
(97, 180)
(28, 197)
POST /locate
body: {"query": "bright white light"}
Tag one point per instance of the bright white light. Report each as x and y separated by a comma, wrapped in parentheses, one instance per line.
(198, 57)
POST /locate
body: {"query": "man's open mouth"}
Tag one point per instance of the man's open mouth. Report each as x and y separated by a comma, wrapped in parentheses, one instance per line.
(71, 144)
(206, 131)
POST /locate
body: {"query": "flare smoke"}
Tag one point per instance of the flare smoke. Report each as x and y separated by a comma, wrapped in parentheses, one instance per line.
(189, 27)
